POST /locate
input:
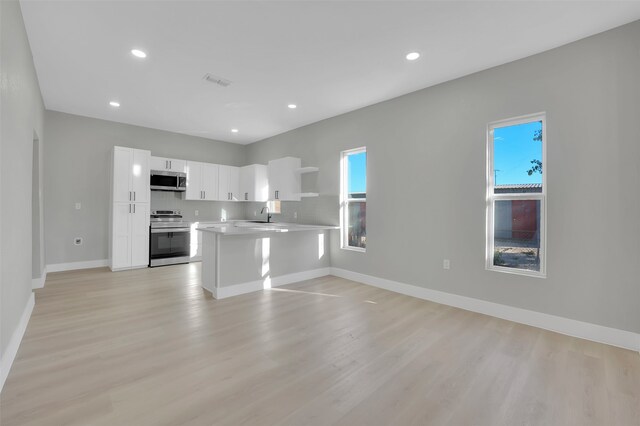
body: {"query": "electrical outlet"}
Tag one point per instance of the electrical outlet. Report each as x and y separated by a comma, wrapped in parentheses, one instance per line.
(77, 241)
(197, 213)
(446, 264)
(78, 206)
(295, 215)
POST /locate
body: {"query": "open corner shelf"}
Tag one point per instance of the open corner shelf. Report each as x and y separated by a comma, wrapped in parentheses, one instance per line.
(303, 170)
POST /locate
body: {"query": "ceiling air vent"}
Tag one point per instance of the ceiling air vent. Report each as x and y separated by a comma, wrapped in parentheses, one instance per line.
(217, 80)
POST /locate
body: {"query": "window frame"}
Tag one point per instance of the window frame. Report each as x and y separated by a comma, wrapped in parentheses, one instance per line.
(492, 197)
(345, 200)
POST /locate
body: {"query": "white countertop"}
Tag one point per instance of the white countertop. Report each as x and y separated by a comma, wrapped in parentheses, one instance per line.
(249, 228)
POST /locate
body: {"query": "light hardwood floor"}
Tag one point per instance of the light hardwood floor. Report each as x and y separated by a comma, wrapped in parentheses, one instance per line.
(149, 347)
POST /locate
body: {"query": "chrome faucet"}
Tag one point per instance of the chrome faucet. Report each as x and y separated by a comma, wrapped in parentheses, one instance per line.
(268, 214)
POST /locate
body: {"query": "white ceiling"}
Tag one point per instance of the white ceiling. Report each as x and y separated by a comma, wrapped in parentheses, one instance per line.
(328, 57)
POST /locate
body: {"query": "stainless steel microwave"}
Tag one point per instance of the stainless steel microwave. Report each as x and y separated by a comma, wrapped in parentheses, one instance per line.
(162, 180)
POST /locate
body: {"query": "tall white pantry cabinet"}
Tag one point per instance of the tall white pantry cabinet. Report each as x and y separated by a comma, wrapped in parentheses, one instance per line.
(130, 199)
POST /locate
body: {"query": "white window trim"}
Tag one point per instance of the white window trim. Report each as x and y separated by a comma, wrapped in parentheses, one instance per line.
(491, 197)
(344, 200)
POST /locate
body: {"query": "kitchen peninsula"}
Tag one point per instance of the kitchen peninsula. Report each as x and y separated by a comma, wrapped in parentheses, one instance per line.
(241, 257)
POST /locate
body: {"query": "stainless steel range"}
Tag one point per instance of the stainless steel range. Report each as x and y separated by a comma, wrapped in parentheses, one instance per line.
(170, 238)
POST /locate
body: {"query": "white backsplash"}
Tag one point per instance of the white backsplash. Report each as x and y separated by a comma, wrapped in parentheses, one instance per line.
(207, 210)
(322, 210)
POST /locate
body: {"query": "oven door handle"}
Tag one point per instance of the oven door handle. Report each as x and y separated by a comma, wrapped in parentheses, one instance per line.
(168, 230)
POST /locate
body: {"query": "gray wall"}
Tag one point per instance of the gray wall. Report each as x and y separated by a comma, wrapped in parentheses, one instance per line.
(21, 115)
(78, 153)
(426, 179)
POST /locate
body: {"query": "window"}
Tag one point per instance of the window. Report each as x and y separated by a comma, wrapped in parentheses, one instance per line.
(353, 199)
(516, 195)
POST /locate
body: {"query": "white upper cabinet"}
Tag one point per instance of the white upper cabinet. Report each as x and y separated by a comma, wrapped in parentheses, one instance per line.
(140, 184)
(229, 183)
(122, 161)
(194, 181)
(234, 183)
(284, 179)
(202, 181)
(131, 175)
(210, 181)
(254, 183)
(168, 164)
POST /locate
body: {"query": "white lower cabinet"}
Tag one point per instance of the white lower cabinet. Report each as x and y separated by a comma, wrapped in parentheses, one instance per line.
(130, 236)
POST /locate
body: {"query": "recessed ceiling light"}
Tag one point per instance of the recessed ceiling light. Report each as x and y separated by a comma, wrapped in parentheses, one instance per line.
(114, 104)
(234, 130)
(292, 106)
(138, 53)
(413, 56)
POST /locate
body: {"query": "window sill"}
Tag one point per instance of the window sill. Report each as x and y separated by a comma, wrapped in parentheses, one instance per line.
(514, 271)
(357, 249)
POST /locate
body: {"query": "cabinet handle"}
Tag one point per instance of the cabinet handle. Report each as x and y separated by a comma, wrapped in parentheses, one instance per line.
(134, 209)
(246, 196)
(129, 195)
(134, 197)
(277, 194)
(169, 163)
(166, 164)
(129, 208)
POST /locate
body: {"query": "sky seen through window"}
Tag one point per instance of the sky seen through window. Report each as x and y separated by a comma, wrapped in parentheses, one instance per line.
(357, 167)
(514, 148)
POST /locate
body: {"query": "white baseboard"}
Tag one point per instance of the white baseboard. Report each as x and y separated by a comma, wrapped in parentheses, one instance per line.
(130, 268)
(9, 355)
(37, 283)
(570, 327)
(88, 264)
(251, 286)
